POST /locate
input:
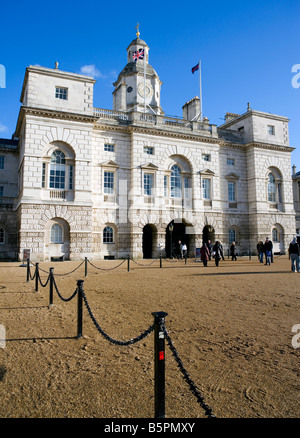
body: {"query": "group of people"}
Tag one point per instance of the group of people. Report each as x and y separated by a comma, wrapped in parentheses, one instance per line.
(265, 249)
(179, 251)
(209, 251)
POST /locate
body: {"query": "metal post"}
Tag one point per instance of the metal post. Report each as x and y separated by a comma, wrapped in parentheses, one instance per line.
(128, 263)
(185, 257)
(37, 277)
(51, 287)
(159, 364)
(28, 270)
(160, 261)
(85, 266)
(79, 307)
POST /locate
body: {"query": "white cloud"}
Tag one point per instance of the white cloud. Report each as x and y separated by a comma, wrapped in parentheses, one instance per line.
(91, 70)
(3, 128)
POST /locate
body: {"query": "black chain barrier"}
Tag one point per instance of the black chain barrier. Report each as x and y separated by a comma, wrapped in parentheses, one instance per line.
(107, 337)
(59, 294)
(158, 327)
(106, 269)
(186, 377)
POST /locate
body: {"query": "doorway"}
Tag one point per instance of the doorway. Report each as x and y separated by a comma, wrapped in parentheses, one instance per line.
(175, 233)
(147, 241)
(208, 233)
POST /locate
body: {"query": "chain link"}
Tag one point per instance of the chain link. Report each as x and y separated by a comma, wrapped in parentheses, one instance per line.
(142, 264)
(40, 280)
(59, 294)
(107, 337)
(108, 269)
(186, 377)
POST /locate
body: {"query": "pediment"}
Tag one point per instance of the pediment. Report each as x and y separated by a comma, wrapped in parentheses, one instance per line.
(232, 176)
(109, 163)
(149, 166)
(206, 172)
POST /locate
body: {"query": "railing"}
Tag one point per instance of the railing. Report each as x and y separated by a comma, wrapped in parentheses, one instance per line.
(110, 114)
(57, 194)
(161, 120)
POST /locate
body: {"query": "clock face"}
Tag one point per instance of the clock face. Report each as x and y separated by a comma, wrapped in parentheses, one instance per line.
(149, 90)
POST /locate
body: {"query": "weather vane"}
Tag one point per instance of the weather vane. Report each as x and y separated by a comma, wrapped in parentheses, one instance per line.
(137, 29)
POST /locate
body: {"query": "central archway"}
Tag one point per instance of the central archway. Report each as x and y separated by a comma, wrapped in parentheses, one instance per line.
(176, 232)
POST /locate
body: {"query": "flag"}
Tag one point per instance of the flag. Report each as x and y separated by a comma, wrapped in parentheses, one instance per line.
(139, 54)
(195, 68)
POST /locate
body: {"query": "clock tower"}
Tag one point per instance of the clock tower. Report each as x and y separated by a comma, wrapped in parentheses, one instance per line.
(138, 85)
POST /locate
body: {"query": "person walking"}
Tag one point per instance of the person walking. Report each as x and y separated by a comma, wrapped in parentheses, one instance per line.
(217, 249)
(233, 251)
(204, 254)
(294, 253)
(268, 247)
(260, 251)
(210, 248)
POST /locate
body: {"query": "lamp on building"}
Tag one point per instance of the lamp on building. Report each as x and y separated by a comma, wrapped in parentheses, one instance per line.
(171, 228)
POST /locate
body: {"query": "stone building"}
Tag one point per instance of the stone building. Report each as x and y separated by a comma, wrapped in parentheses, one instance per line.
(79, 181)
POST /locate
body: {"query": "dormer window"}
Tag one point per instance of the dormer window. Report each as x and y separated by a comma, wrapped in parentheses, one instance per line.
(61, 93)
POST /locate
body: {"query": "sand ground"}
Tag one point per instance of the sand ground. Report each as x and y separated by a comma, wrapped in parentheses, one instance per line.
(231, 325)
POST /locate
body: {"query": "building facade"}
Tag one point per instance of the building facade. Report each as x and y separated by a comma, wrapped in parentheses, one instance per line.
(78, 181)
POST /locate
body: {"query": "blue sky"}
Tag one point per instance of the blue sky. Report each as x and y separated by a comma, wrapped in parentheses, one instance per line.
(247, 50)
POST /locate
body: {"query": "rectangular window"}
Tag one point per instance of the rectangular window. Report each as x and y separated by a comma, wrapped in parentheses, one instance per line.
(148, 184)
(165, 186)
(148, 150)
(206, 157)
(71, 177)
(230, 162)
(1, 191)
(206, 188)
(61, 93)
(109, 147)
(1, 162)
(231, 191)
(43, 174)
(187, 188)
(271, 129)
(109, 182)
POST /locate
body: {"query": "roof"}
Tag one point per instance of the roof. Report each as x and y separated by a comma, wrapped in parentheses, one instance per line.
(8, 144)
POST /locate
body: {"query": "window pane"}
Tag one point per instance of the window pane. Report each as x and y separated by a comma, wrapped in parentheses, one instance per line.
(148, 184)
(56, 234)
(271, 188)
(175, 182)
(1, 162)
(108, 235)
(206, 188)
(57, 170)
(231, 191)
(108, 182)
(232, 235)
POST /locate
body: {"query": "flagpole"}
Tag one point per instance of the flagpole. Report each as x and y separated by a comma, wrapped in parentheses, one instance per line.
(200, 90)
(144, 81)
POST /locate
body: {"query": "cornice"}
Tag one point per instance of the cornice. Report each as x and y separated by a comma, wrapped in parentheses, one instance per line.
(275, 147)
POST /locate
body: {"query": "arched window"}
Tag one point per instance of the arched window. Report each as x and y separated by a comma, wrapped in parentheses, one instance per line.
(232, 235)
(275, 235)
(271, 188)
(57, 170)
(2, 235)
(108, 235)
(56, 234)
(176, 182)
